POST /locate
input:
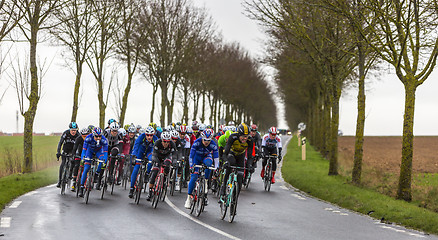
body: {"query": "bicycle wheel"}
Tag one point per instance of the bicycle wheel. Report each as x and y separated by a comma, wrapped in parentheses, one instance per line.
(88, 184)
(125, 176)
(78, 180)
(103, 183)
(172, 180)
(200, 199)
(224, 203)
(269, 178)
(233, 204)
(138, 186)
(162, 186)
(248, 180)
(194, 198)
(115, 176)
(157, 192)
(63, 180)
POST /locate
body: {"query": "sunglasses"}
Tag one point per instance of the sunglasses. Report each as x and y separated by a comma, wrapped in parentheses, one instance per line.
(166, 141)
(97, 136)
(244, 136)
(149, 135)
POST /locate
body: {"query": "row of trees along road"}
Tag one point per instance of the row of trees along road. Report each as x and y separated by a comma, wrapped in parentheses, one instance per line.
(321, 46)
(169, 44)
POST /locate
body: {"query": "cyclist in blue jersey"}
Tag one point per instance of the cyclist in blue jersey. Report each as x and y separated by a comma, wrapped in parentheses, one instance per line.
(143, 146)
(95, 144)
(203, 151)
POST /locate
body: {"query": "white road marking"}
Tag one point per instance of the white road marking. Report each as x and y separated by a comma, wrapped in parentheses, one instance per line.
(328, 209)
(416, 235)
(297, 196)
(283, 187)
(5, 222)
(344, 214)
(336, 211)
(199, 222)
(15, 204)
(30, 193)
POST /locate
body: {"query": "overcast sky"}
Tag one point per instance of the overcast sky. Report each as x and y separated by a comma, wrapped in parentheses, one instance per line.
(385, 95)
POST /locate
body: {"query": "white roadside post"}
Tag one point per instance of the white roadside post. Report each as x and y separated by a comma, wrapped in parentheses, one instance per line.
(303, 149)
(299, 137)
(301, 127)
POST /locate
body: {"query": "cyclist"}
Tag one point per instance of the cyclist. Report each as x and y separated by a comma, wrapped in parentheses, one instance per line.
(67, 142)
(257, 142)
(131, 135)
(180, 153)
(270, 143)
(234, 154)
(185, 139)
(115, 146)
(126, 149)
(77, 151)
(111, 120)
(163, 153)
(203, 151)
(95, 144)
(143, 147)
(138, 128)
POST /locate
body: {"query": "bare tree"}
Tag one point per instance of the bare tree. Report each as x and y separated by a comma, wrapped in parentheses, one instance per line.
(106, 15)
(76, 31)
(127, 48)
(36, 17)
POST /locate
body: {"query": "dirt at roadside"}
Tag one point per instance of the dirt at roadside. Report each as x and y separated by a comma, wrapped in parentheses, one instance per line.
(384, 153)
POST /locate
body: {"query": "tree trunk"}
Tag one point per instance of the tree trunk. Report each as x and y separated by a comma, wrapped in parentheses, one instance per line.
(333, 146)
(360, 123)
(404, 184)
(29, 115)
(196, 104)
(154, 92)
(102, 106)
(203, 108)
(185, 117)
(171, 103)
(74, 113)
(326, 123)
(163, 86)
(125, 95)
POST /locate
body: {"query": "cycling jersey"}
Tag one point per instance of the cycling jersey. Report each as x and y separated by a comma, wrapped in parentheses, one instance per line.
(67, 141)
(269, 143)
(236, 147)
(142, 146)
(114, 141)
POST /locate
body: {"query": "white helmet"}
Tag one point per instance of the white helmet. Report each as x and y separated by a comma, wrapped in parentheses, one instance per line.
(114, 126)
(149, 130)
(231, 123)
(122, 131)
(174, 134)
(131, 129)
(202, 127)
(141, 130)
(166, 136)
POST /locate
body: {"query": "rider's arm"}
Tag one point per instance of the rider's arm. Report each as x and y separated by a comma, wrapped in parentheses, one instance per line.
(215, 156)
(227, 149)
(192, 153)
(76, 146)
(61, 141)
(85, 147)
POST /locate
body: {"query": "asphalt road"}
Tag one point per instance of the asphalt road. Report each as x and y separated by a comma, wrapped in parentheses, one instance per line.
(282, 213)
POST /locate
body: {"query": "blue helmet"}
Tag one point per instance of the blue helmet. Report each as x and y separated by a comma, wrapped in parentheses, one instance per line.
(207, 135)
(97, 131)
(73, 126)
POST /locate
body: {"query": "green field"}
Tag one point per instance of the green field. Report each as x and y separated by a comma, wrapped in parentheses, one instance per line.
(311, 176)
(11, 153)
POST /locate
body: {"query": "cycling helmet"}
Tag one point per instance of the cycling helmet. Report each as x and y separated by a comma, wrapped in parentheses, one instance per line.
(97, 131)
(273, 130)
(189, 130)
(182, 129)
(138, 126)
(85, 131)
(154, 125)
(159, 129)
(226, 128)
(114, 126)
(149, 130)
(243, 129)
(253, 127)
(221, 127)
(168, 128)
(195, 123)
(209, 126)
(195, 128)
(231, 123)
(207, 135)
(233, 128)
(131, 129)
(166, 136)
(122, 131)
(73, 126)
(174, 134)
(141, 130)
(111, 121)
(202, 127)
(90, 128)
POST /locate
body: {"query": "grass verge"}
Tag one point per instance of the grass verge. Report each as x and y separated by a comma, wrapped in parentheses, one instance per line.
(311, 176)
(16, 185)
